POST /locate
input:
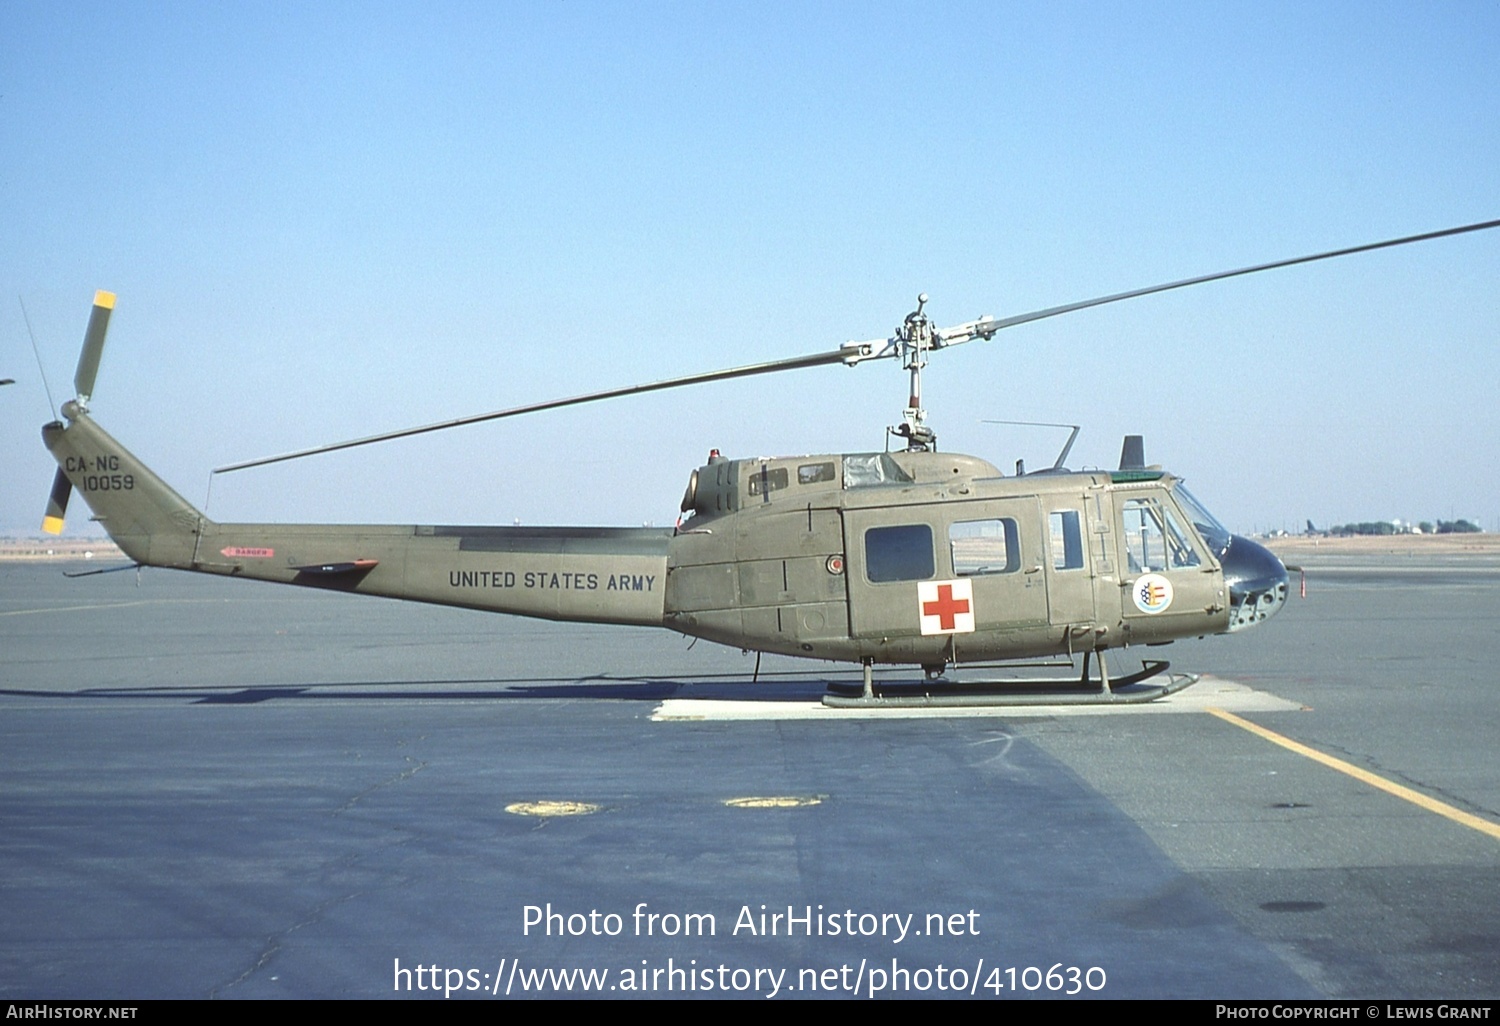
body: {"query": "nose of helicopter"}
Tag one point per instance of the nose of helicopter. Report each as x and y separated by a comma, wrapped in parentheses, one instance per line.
(1256, 579)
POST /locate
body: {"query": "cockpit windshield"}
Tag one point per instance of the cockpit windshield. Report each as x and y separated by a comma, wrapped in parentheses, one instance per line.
(1213, 532)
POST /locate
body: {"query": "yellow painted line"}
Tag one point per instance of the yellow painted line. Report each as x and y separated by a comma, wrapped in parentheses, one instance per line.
(1443, 809)
(105, 605)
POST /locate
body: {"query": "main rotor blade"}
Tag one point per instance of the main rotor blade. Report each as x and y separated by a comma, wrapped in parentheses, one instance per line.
(850, 354)
(794, 363)
(1036, 315)
(93, 345)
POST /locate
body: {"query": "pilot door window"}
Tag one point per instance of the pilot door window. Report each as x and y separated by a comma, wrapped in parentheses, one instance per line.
(1154, 539)
(901, 553)
(982, 547)
(1067, 539)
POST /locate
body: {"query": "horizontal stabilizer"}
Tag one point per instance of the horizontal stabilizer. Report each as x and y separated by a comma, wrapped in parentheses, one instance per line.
(353, 566)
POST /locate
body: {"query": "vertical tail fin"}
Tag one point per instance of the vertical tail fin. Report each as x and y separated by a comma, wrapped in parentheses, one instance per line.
(145, 517)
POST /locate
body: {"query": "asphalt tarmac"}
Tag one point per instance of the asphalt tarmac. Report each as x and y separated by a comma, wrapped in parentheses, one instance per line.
(215, 788)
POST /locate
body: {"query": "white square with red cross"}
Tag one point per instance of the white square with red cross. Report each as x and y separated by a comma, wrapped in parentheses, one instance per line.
(946, 607)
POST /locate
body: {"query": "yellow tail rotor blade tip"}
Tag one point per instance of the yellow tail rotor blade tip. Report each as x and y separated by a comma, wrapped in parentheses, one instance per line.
(52, 525)
(104, 299)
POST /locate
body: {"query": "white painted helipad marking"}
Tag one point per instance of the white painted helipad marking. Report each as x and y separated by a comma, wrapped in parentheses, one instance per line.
(1208, 692)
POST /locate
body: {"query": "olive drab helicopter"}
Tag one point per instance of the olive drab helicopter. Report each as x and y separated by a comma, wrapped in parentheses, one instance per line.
(907, 556)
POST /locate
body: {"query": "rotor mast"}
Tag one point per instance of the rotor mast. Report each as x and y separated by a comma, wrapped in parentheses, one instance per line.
(911, 343)
(913, 340)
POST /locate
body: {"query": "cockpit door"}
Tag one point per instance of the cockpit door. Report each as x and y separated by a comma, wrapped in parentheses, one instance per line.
(1166, 573)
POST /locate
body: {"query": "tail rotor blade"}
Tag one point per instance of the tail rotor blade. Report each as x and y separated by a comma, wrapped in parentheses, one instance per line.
(57, 503)
(83, 383)
(93, 345)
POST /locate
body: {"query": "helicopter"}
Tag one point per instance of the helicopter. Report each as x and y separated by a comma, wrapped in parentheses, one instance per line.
(910, 556)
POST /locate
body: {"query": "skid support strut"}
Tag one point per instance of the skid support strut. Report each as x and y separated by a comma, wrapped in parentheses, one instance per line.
(1083, 678)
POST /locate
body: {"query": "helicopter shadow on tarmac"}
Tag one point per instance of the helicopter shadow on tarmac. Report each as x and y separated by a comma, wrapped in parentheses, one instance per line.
(735, 687)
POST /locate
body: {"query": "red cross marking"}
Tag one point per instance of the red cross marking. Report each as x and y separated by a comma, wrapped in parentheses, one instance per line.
(946, 608)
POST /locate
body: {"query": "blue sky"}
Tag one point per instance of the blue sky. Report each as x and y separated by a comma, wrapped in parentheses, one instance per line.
(328, 220)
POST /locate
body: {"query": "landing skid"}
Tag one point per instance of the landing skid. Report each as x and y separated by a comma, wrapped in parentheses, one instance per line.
(1012, 691)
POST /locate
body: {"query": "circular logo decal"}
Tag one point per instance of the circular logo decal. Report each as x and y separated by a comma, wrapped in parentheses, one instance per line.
(1153, 593)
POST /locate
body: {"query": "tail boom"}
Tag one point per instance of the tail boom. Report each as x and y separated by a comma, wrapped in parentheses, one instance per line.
(588, 574)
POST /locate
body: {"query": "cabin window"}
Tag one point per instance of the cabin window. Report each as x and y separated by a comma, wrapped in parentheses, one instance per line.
(1067, 540)
(982, 547)
(902, 553)
(766, 480)
(812, 473)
